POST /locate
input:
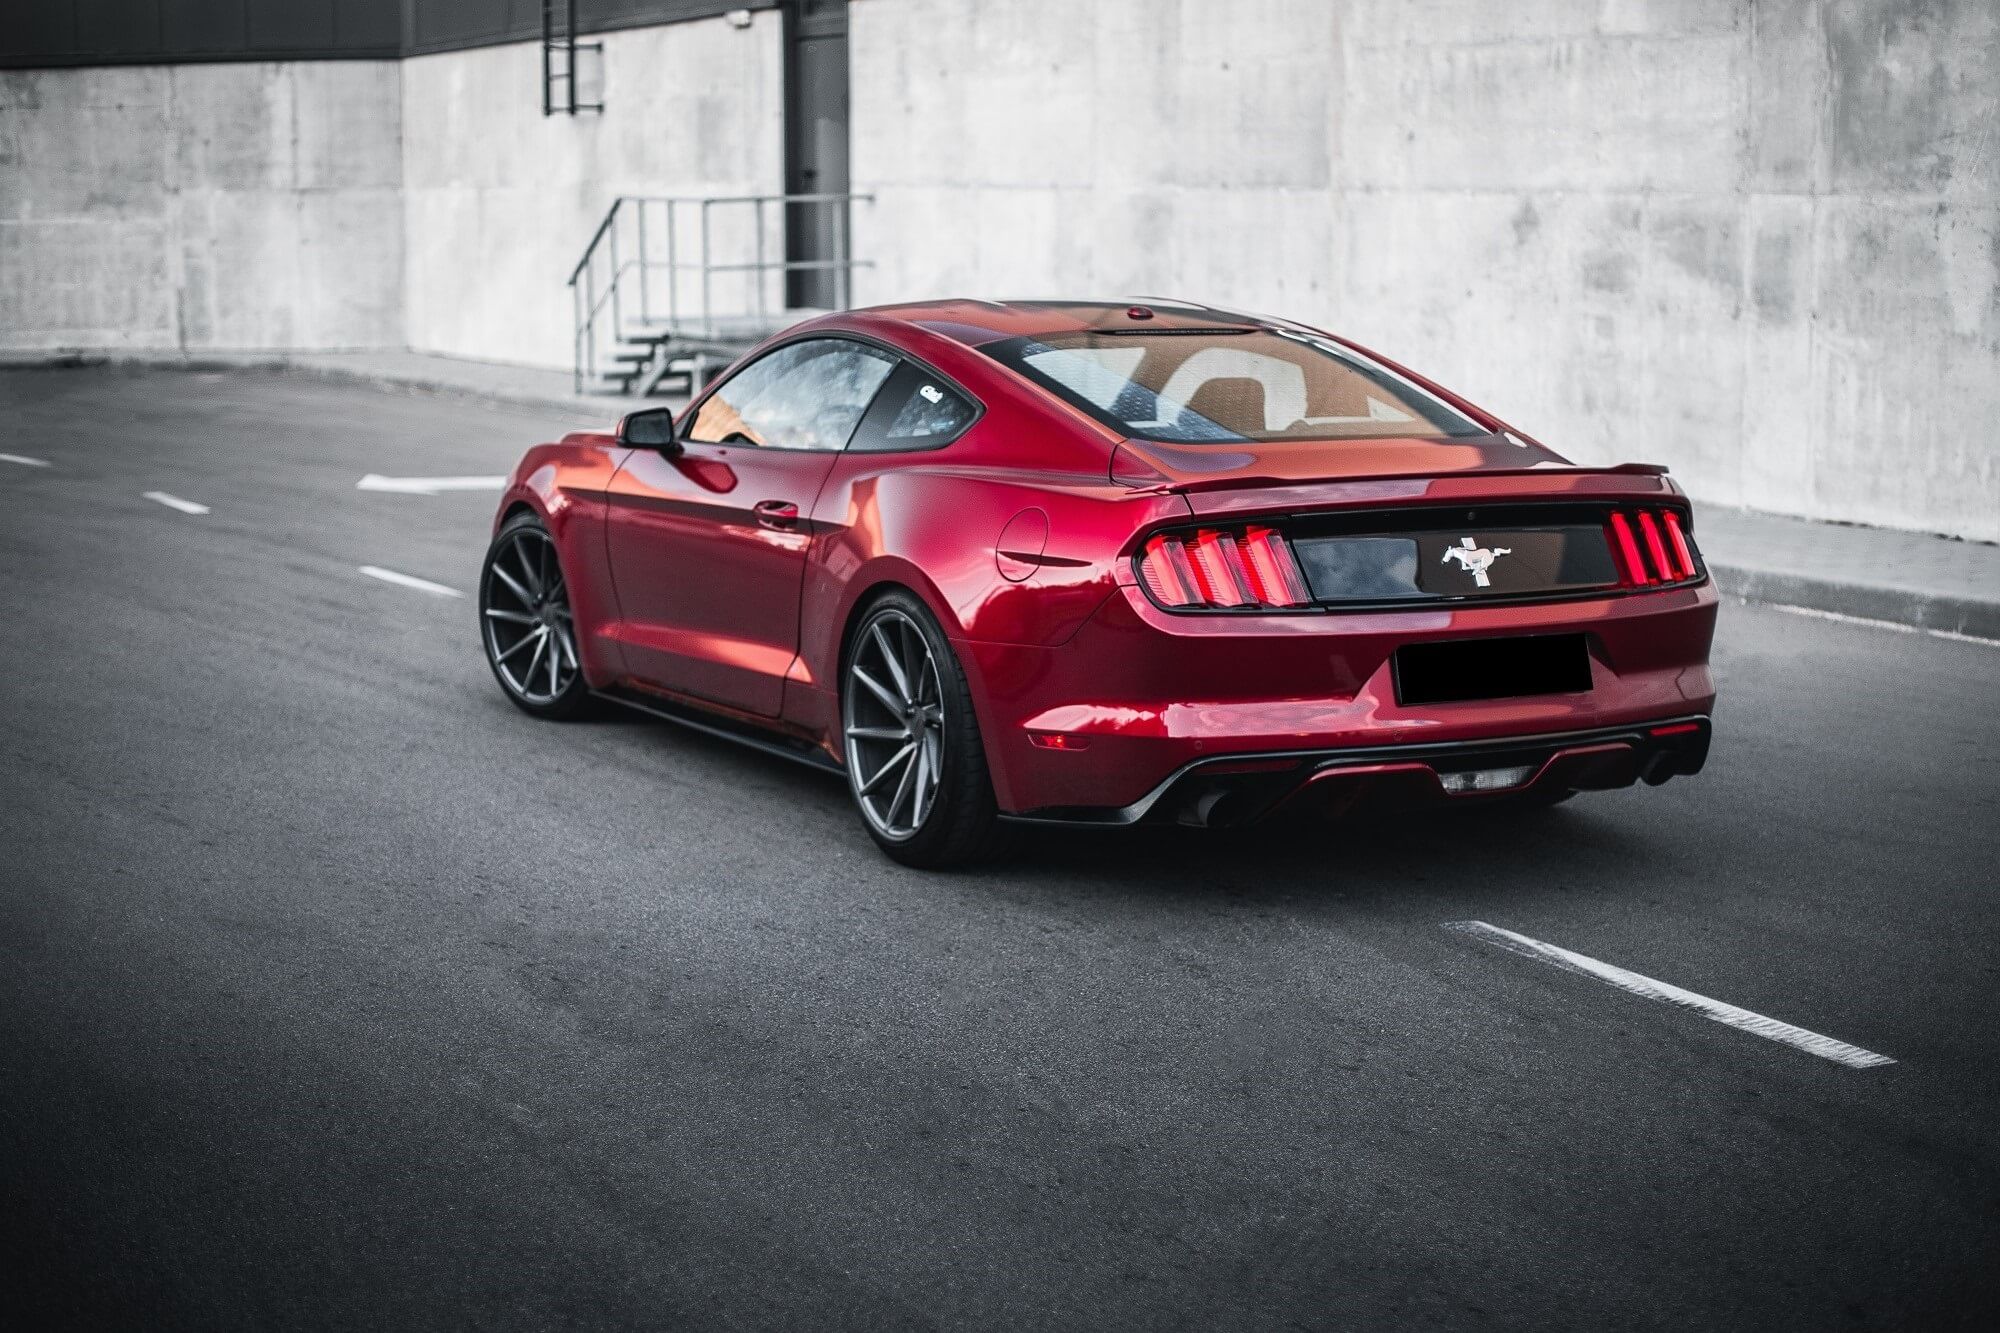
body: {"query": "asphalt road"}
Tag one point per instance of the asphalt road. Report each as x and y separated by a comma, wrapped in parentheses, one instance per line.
(336, 992)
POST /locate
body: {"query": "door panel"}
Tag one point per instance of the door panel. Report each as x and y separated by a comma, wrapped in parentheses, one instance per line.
(708, 587)
(708, 547)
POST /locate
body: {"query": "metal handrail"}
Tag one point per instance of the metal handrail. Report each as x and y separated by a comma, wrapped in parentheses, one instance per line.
(601, 316)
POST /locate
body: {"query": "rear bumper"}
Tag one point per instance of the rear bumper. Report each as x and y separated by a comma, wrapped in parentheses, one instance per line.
(1229, 791)
(1140, 700)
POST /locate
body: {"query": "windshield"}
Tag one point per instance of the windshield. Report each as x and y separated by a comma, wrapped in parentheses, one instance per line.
(1213, 385)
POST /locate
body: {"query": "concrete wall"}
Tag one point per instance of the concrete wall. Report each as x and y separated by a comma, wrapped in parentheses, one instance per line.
(424, 203)
(1757, 242)
(194, 207)
(499, 201)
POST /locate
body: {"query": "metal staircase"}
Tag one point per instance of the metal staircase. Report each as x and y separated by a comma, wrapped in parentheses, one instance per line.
(672, 289)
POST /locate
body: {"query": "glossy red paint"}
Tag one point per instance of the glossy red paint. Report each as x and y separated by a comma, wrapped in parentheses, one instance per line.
(726, 576)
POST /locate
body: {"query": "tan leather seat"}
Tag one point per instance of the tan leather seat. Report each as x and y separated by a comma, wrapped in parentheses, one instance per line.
(1235, 403)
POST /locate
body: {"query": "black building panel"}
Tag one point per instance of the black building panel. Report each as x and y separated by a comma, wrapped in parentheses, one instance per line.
(442, 24)
(36, 27)
(122, 28)
(125, 32)
(202, 26)
(290, 25)
(369, 24)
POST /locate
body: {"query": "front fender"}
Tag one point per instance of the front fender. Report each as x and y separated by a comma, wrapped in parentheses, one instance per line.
(564, 484)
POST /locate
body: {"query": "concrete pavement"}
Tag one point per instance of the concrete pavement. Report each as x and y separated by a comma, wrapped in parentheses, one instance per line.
(334, 991)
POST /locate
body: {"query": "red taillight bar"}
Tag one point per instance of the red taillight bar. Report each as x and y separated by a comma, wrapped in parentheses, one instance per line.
(1631, 569)
(1216, 567)
(1164, 566)
(1683, 553)
(1655, 548)
(1269, 558)
(1219, 563)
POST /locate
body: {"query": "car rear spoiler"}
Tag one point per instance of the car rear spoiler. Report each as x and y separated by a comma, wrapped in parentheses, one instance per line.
(1162, 484)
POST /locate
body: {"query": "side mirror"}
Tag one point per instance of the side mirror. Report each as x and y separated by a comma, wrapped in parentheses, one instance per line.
(650, 429)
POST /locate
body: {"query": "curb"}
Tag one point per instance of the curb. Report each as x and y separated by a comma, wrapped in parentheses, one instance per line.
(603, 410)
(1896, 606)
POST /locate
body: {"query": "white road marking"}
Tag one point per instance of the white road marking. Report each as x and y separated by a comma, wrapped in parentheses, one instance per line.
(1811, 1042)
(175, 502)
(1842, 618)
(24, 460)
(409, 581)
(428, 485)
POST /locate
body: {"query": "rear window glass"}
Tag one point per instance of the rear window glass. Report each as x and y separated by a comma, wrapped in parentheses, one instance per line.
(1217, 385)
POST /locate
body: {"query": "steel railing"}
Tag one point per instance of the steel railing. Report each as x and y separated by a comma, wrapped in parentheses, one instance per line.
(696, 275)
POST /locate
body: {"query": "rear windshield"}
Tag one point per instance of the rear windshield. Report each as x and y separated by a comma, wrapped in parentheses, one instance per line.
(1216, 385)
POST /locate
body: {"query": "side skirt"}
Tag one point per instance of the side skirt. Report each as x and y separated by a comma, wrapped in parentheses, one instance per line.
(728, 729)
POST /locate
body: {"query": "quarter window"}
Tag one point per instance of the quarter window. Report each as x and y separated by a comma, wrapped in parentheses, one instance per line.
(930, 412)
(804, 395)
(915, 410)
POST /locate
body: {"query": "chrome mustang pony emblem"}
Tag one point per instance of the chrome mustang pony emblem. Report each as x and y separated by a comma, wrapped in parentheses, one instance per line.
(1474, 559)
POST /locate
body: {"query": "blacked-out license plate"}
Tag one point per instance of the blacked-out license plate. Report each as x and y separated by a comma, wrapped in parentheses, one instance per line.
(1440, 673)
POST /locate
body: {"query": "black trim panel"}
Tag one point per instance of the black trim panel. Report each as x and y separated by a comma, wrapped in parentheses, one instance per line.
(1311, 762)
(67, 34)
(747, 734)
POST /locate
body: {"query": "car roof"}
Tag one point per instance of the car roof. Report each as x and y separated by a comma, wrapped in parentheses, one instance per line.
(975, 322)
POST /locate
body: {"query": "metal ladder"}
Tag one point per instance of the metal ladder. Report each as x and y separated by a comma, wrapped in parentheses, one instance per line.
(559, 48)
(672, 289)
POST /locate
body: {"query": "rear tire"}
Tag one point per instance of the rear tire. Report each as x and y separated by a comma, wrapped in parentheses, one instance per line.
(916, 765)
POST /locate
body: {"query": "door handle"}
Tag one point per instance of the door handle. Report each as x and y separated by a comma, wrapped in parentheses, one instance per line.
(779, 514)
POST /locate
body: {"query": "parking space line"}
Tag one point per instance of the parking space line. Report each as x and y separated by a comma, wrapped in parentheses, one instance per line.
(24, 460)
(175, 502)
(375, 481)
(1827, 1048)
(409, 581)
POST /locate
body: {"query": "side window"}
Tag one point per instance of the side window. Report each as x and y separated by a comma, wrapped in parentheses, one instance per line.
(804, 395)
(915, 410)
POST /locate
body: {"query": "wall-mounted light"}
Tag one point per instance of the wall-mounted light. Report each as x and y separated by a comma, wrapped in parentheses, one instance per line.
(738, 18)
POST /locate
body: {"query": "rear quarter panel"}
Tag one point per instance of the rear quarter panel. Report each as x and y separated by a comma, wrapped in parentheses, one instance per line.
(931, 521)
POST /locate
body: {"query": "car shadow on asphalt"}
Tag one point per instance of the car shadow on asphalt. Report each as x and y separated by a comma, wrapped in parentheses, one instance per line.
(1593, 838)
(1381, 854)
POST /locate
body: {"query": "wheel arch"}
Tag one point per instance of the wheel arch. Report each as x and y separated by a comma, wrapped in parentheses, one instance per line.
(880, 578)
(510, 511)
(864, 594)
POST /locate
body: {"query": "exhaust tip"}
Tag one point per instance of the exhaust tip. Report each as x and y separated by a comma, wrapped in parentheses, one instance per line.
(1468, 781)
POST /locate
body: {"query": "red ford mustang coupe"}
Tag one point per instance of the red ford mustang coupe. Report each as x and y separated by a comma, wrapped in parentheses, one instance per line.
(1100, 563)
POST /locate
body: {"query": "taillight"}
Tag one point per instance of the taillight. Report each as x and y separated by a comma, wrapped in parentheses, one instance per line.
(1651, 547)
(1223, 567)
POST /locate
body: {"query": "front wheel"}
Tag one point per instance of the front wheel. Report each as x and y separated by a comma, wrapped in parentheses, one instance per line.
(524, 622)
(915, 764)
